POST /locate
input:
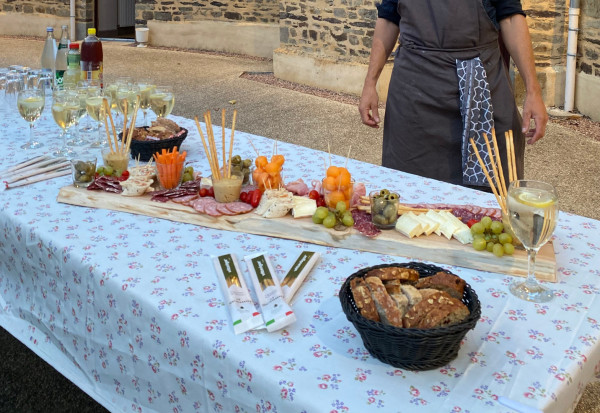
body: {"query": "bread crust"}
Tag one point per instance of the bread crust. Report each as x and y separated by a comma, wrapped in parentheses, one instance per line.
(443, 281)
(395, 273)
(363, 299)
(438, 310)
(386, 307)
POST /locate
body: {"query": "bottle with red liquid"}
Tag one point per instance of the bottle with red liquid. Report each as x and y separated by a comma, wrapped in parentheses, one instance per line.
(91, 58)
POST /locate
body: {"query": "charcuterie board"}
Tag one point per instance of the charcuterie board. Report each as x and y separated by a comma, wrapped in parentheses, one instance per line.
(433, 247)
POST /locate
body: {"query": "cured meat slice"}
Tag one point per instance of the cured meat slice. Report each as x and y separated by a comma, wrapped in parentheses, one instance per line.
(185, 199)
(222, 208)
(363, 224)
(239, 207)
(211, 209)
(199, 204)
(106, 183)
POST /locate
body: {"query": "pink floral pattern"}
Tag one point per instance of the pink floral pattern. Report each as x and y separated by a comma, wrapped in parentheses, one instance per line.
(128, 307)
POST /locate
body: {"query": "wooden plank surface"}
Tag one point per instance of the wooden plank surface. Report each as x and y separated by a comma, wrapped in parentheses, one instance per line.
(433, 248)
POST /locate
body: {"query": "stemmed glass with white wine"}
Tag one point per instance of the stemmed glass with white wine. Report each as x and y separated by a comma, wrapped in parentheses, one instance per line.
(147, 87)
(95, 108)
(31, 104)
(126, 97)
(65, 111)
(532, 214)
(162, 101)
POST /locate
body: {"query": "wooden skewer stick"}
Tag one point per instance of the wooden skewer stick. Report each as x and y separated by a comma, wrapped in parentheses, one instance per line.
(329, 151)
(24, 164)
(512, 151)
(210, 163)
(487, 175)
(106, 112)
(42, 177)
(494, 171)
(35, 166)
(38, 171)
(231, 141)
(249, 139)
(499, 162)
(223, 142)
(347, 157)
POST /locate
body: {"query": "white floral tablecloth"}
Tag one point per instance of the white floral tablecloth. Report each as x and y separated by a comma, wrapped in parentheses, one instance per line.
(128, 307)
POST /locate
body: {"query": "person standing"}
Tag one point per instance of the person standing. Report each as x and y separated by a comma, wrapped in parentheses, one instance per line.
(449, 84)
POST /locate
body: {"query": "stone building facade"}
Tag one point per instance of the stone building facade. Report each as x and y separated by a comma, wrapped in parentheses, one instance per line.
(323, 43)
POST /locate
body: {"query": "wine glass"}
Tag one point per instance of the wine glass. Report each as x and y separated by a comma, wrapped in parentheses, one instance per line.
(126, 97)
(532, 214)
(162, 101)
(95, 108)
(31, 104)
(146, 88)
(81, 90)
(65, 111)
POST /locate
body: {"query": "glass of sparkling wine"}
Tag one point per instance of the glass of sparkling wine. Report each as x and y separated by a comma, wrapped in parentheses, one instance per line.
(65, 111)
(31, 104)
(162, 101)
(146, 89)
(532, 214)
(94, 105)
(126, 97)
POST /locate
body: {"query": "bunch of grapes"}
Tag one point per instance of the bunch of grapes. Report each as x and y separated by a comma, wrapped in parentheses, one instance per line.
(330, 219)
(489, 235)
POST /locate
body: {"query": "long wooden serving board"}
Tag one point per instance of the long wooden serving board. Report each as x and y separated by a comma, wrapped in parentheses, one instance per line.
(431, 248)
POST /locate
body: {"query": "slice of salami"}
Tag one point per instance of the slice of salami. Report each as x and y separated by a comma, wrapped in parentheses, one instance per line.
(363, 224)
(222, 208)
(199, 203)
(211, 209)
(185, 199)
(239, 207)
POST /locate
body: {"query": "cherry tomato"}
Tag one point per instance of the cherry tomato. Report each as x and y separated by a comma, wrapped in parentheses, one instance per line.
(471, 222)
(255, 197)
(211, 191)
(321, 202)
(203, 192)
(314, 195)
(244, 196)
(124, 176)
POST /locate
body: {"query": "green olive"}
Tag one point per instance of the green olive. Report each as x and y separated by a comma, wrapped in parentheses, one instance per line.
(247, 163)
(390, 211)
(379, 219)
(236, 160)
(384, 192)
(393, 196)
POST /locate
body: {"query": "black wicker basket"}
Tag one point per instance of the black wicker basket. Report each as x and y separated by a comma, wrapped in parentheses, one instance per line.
(410, 348)
(146, 149)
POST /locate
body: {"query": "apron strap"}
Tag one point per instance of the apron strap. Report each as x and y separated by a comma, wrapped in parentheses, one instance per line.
(478, 118)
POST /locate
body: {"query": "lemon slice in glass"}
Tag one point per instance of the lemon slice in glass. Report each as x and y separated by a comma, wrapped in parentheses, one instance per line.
(542, 200)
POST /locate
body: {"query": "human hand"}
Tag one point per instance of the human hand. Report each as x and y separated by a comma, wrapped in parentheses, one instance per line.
(534, 108)
(368, 106)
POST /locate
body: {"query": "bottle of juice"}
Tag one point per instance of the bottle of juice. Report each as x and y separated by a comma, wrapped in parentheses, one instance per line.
(61, 56)
(91, 58)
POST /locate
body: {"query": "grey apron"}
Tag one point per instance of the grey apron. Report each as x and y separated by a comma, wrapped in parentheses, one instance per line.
(423, 123)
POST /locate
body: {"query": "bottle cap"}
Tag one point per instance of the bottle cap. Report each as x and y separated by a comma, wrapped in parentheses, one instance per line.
(49, 29)
(74, 46)
(91, 31)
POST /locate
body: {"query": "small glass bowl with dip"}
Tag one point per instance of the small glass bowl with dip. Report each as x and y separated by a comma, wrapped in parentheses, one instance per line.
(228, 189)
(118, 161)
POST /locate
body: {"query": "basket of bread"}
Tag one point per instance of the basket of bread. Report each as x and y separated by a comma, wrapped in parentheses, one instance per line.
(412, 315)
(162, 134)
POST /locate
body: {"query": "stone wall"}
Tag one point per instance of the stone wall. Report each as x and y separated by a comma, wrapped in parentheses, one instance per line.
(338, 29)
(588, 48)
(248, 11)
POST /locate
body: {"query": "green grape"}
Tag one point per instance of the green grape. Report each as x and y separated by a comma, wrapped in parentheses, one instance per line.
(477, 228)
(488, 237)
(329, 221)
(108, 170)
(321, 213)
(505, 238)
(341, 206)
(497, 227)
(479, 244)
(480, 236)
(487, 222)
(187, 177)
(498, 250)
(189, 170)
(490, 246)
(494, 237)
(316, 219)
(509, 249)
(117, 172)
(347, 219)
(100, 170)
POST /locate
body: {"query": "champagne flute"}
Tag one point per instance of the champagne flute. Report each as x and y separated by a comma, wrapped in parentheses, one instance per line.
(31, 104)
(532, 214)
(81, 90)
(95, 108)
(126, 97)
(162, 101)
(65, 111)
(146, 89)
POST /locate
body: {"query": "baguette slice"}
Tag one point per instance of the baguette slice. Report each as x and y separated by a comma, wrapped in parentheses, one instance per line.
(363, 299)
(386, 306)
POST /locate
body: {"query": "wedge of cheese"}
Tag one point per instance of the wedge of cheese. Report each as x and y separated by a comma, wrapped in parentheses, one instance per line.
(428, 224)
(408, 225)
(434, 216)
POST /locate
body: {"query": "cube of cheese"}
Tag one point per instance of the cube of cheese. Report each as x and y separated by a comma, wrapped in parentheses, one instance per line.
(409, 226)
